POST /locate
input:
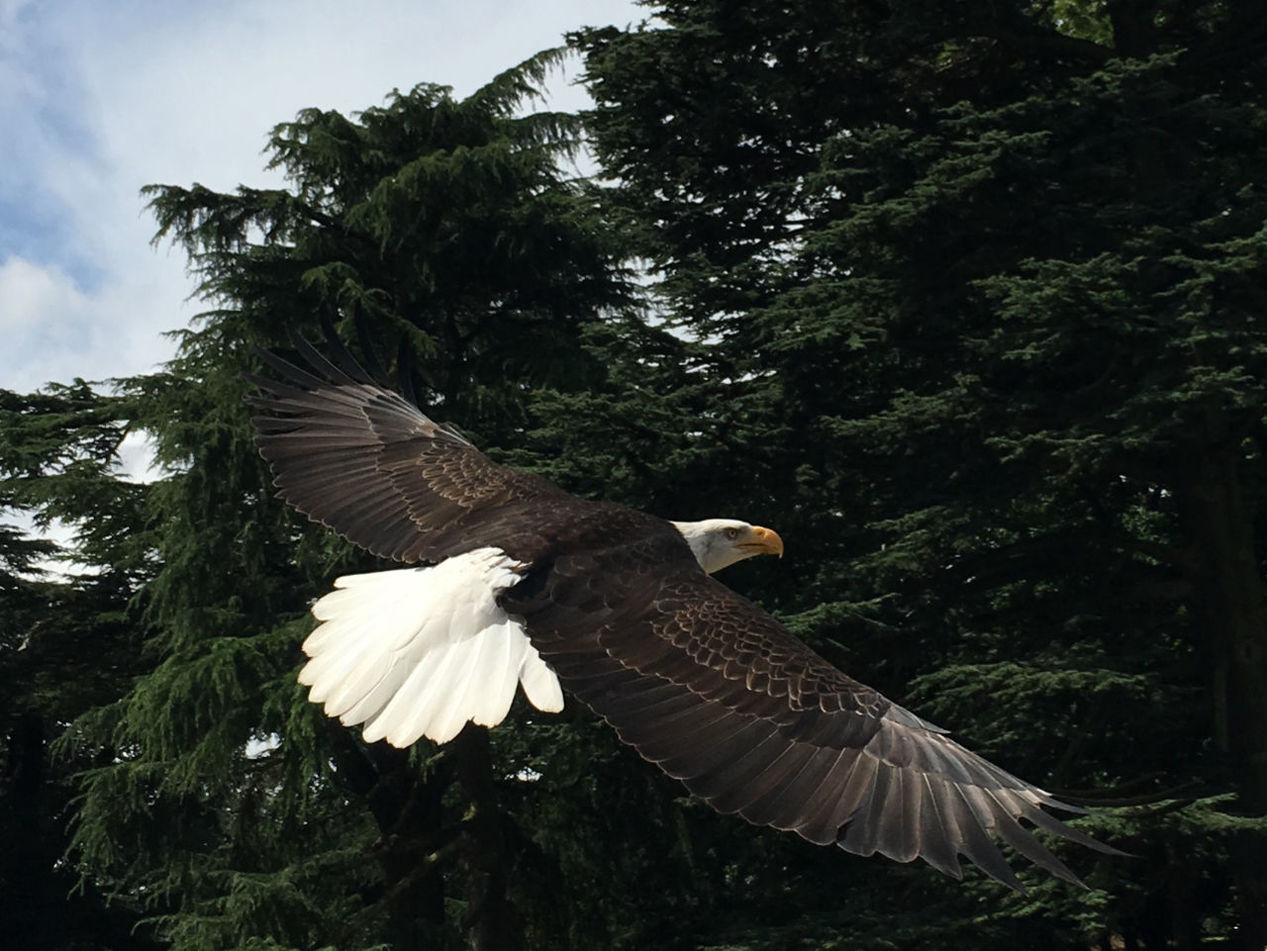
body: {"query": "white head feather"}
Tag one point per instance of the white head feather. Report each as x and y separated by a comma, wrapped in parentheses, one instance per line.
(718, 542)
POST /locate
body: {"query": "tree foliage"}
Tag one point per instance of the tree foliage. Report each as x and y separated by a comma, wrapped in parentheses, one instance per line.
(1002, 290)
(68, 644)
(964, 299)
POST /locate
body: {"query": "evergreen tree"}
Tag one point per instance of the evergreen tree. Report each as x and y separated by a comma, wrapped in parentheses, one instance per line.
(233, 808)
(66, 645)
(991, 277)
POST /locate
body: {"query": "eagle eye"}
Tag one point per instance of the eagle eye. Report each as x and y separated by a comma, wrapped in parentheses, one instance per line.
(732, 533)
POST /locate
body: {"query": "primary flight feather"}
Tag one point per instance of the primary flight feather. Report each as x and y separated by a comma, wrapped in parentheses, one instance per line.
(520, 585)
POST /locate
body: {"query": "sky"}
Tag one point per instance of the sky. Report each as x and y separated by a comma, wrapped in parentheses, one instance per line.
(100, 99)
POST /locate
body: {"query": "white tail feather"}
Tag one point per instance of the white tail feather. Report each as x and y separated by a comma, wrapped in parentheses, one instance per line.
(420, 651)
(541, 686)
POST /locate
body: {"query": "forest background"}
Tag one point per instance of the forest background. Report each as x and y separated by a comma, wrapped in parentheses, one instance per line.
(966, 300)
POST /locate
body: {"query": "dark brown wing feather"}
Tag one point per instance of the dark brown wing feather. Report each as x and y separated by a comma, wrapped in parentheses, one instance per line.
(721, 696)
(696, 678)
(361, 460)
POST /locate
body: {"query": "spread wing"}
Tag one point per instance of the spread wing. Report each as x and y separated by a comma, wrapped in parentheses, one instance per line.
(723, 697)
(368, 464)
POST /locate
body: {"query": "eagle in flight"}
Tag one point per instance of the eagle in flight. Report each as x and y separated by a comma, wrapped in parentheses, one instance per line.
(517, 584)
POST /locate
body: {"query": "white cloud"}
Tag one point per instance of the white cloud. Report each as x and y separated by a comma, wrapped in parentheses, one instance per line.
(32, 296)
(55, 331)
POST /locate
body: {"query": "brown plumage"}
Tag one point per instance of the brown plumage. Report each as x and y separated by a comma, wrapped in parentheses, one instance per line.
(696, 678)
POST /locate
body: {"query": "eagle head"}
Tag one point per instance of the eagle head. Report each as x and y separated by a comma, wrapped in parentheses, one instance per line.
(718, 542)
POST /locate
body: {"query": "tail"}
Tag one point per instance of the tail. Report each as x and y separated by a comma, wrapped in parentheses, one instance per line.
(420, 651)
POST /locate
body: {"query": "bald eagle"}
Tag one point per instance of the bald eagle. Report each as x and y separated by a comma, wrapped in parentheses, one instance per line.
(516, 584)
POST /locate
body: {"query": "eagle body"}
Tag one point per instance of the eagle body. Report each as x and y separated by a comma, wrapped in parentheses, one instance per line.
(517, 584)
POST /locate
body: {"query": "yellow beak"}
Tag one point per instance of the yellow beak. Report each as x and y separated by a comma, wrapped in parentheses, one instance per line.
(763, 541)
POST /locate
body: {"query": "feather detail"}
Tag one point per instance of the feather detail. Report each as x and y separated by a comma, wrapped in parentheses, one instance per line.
(421, 651)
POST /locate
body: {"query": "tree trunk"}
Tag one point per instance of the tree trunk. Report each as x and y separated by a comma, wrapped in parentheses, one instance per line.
(1219, 524)
(26, 864)
(407, 810)
(492, 924)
